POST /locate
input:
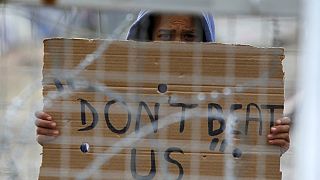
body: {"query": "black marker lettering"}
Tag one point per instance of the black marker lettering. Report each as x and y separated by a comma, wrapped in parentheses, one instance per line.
(110, 126)
(272, 108)
(233, 108)
(95, 116)
(154, 119)
(223, 145)
(212, 118)
(133, 164)
(170, 160)
(58, 84)
(183, 112)
(248, 118)
(213, 144)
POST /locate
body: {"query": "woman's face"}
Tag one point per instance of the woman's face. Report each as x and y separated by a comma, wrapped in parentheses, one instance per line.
(177, 28)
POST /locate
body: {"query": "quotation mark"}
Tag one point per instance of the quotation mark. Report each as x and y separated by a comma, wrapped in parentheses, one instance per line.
(236, 153)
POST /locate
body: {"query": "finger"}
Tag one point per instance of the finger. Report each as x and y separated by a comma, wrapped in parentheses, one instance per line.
(280, 129)
(43, 115)
(279, 142)
(284, 136)
(45, 139)
(283, 121)
(47, 132)
(45, 124)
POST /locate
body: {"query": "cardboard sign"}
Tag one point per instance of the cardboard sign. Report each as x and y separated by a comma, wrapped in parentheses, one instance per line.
(161, 110)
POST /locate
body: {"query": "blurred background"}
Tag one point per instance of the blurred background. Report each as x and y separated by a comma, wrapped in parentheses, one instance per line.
(25, 24)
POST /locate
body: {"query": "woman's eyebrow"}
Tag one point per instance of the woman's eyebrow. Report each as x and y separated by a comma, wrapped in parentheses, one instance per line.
(191, 31)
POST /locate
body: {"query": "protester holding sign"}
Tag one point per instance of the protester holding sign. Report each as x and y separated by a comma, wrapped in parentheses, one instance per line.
(170, 27)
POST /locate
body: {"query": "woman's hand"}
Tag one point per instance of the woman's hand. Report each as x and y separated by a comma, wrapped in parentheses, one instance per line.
(279, 134)
(46, 127)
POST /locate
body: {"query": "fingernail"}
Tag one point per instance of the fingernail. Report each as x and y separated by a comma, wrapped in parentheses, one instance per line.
(273, 129)
(269, 136)
(49, 118)
(53, 124)
(56, 132)
(270, 142)
(278, 121)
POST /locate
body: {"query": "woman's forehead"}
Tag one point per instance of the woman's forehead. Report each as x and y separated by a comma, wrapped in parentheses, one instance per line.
(167, 20)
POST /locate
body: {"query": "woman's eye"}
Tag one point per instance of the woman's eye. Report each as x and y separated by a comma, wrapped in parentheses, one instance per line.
(165, 37)
(188, 37)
